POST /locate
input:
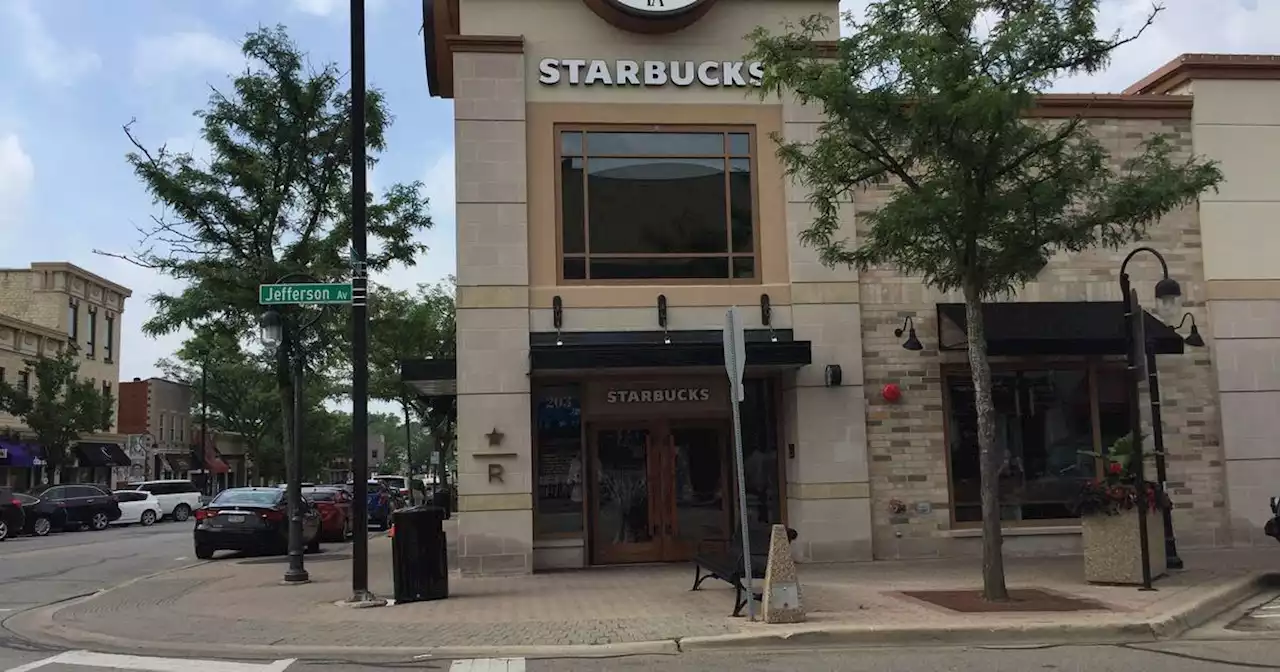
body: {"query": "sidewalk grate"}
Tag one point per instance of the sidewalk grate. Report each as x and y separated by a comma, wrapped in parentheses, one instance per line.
(1025, 599)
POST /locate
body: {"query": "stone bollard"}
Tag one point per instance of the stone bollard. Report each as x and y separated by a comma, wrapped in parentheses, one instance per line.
(781, 585)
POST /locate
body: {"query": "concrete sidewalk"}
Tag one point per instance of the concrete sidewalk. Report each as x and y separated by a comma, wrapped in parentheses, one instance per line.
(238, 606)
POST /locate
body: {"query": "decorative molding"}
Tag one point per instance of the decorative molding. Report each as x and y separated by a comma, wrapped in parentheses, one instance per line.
(485, 44)
(1112, 106)
(1190, 67)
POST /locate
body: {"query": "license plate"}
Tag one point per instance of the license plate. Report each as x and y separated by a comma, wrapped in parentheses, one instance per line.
(235, 519)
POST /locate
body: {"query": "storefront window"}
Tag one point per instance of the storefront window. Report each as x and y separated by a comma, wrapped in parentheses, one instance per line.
(1045, 422)
(760, 452)
(657, 205)
(561, 489)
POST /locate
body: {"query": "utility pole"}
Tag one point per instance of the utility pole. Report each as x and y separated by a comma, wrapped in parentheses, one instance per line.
(359, 317)
(204, 422)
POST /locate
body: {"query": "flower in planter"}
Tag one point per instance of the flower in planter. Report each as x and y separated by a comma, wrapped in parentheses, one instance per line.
(1116, 492)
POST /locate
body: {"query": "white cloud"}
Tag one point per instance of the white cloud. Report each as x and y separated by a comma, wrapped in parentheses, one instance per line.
(1186, 26)
(17, 177)
(184, 52)
(43, 55)
(319, 7)
(441, 258)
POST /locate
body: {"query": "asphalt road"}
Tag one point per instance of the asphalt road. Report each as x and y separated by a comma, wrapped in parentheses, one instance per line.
(35, 572)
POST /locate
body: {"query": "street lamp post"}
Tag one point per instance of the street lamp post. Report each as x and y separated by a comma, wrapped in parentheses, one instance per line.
(1167, 294)
(204, 424)
(279, 332)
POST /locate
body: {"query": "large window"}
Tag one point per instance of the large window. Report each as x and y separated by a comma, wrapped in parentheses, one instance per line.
(561, 487)
(657, 205)
(1048, 421)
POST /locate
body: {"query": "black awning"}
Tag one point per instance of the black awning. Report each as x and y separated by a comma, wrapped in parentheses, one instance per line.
(179, 463)
(90, 454)
(644, 350)
(431, 377)
(1053, 328)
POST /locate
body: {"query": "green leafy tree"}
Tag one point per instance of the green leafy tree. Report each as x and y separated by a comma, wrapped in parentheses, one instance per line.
(931, 97)
(413, 325)
(58, 406)
(273, 199)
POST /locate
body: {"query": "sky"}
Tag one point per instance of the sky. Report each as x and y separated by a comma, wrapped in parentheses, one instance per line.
(73, 72)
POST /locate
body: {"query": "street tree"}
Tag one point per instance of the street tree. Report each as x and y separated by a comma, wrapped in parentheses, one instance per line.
(404, 325)
(57, 405)
(931, 98)
(272, 199)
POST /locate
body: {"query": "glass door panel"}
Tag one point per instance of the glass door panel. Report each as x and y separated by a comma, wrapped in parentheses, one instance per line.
(628, 514)
(699, 492)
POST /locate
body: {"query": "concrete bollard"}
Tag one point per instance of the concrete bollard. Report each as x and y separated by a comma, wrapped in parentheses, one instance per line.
(781, 585)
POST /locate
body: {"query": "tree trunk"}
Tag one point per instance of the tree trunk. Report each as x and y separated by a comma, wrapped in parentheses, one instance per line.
(993, 585)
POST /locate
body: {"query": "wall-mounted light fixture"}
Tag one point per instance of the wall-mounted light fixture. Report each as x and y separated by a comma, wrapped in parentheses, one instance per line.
(662, 318)
(557, 316)
(909, 327)
(766, 317)
(1193, 339)
(833, 375)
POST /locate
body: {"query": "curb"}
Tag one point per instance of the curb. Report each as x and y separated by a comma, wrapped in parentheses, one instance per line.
(38, 625)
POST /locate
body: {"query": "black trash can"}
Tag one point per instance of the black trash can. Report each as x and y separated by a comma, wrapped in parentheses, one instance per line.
(419, 555)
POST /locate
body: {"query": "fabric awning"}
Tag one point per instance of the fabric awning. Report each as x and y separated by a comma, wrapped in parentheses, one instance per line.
(93, 454)
(18, 454)
(180, 464)
(656, 349)
(1053, 328)
(213, 462)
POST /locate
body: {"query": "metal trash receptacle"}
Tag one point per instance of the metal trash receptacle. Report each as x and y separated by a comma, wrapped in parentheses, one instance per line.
(419, 555)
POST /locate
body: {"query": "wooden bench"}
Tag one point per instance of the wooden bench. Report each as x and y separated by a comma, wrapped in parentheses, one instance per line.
(719, 558)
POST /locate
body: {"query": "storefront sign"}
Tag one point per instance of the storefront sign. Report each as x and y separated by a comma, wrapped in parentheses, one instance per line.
(582, 72)
(661, 396)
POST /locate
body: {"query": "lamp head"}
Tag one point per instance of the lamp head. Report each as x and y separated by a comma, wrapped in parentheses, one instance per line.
(912, 343)
(271, 329)
(1168, 298)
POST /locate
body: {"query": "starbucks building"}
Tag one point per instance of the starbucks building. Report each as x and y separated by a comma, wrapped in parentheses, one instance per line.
(617, 192)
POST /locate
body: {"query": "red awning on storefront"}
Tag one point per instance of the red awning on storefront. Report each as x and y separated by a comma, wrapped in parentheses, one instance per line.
(213, 462)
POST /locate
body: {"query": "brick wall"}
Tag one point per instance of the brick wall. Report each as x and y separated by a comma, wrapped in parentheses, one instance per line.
(132, 417)
(907, 447)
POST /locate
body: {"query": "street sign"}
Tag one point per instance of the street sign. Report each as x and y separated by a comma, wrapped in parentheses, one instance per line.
(311, 293)
(735, 352)
(735, 364)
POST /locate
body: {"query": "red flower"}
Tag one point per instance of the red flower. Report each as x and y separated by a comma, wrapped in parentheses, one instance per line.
(1115, 468)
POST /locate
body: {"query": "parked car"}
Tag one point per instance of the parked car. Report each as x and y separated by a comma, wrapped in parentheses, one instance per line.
(86, 504)
(1272, 526)
(252, 520)
(334, 506)
(139, 507)
(380, 503)
(42, 516)
(11, 515)
(178, 498)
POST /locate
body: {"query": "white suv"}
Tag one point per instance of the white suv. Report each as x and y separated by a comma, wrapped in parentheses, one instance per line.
(177, 498)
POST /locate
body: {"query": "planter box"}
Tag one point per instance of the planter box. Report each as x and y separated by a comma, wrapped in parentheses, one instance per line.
(1111, 551)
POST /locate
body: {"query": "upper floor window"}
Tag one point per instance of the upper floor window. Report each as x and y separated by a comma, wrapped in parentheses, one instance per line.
(73, 320)
(24, 381)
(93, 331)
(665, 204)
(110, 345)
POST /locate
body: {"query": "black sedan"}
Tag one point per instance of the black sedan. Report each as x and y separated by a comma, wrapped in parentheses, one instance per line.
(254, 520)
(42, 515)
(10, 514)
(87, 505)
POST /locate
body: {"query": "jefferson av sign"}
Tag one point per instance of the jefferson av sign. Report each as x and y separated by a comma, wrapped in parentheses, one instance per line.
(581, 72)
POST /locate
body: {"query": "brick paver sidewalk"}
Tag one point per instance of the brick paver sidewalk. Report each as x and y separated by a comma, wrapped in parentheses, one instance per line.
(241, 602)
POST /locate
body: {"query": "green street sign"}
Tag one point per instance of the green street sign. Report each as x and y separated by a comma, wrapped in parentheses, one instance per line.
(304, 293)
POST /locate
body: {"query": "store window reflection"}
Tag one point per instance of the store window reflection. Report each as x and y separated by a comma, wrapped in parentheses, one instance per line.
(1045, 421)
(760, 451)
(561, 489)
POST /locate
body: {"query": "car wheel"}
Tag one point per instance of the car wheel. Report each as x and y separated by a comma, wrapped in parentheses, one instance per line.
(148, 518)
(182, 513)
(204, 552)
(384, 523)
(41, 527)
(99, 522)
(4, 530)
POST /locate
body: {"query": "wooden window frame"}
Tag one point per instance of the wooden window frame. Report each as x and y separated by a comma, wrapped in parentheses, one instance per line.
(92, 343)
(729, 254)
(108, 348)
(1092, 368)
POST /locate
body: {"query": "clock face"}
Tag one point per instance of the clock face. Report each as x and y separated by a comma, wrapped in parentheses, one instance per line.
(656, 7)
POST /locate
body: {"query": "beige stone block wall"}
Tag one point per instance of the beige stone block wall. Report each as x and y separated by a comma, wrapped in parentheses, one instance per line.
(827, 480)
(907, 441)
(495, 529)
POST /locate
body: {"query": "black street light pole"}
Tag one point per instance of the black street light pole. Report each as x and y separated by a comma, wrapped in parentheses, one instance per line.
(1171, 559)
(204, 422)
(1167, 290)
(359, 317)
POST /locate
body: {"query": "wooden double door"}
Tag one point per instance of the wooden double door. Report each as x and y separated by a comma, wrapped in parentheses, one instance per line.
(658, 488)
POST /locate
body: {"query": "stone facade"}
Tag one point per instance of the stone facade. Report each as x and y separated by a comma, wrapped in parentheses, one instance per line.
(907, 440)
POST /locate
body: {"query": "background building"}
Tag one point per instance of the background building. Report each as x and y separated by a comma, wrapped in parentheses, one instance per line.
(159, 413)
(41, 308)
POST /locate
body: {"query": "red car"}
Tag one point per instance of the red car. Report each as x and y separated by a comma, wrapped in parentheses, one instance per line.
(334, 505)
